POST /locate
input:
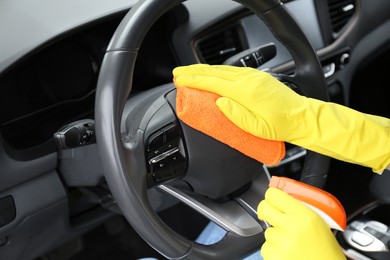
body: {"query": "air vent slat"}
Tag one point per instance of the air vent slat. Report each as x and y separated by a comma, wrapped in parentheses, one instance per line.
(340, 12)
(218, 47)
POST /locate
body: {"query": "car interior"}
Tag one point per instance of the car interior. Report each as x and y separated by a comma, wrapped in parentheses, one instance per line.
(94, 162)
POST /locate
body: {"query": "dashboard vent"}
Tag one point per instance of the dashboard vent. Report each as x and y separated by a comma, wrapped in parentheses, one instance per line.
(216, 48)
(340, 12)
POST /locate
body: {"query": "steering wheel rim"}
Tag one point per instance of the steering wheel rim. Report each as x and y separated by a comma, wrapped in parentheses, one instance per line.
(123, 156)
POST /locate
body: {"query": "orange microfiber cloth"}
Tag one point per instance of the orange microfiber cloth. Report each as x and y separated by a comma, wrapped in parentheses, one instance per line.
(197, 109)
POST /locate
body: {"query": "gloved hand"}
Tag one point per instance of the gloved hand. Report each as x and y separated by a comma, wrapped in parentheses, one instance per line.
(263, 106)
(297, 232)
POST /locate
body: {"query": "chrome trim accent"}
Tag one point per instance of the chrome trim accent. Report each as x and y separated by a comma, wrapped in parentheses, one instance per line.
(331, 71)
(226, 51)
(163, 155)
(264, 224)
(348, 8)
(252, 197)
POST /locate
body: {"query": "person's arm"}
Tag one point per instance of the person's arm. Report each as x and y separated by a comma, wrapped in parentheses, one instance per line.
(263, 106)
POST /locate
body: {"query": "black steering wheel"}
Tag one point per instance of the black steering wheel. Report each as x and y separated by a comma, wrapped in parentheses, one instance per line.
(142, 144)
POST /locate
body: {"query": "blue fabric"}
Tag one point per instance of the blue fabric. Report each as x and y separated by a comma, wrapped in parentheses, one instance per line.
(213, 233)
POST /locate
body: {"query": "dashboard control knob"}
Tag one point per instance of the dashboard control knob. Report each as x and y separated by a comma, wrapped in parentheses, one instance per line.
(344, 59)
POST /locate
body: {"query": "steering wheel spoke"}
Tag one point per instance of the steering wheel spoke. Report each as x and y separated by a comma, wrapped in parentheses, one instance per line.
(229, 215)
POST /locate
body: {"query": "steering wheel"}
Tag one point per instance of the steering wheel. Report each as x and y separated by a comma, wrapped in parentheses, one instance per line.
(142, 144)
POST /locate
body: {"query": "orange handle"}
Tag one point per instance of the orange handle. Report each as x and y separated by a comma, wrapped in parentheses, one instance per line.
(324, 203)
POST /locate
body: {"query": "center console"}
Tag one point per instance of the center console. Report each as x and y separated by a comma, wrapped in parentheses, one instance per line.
(368, 230)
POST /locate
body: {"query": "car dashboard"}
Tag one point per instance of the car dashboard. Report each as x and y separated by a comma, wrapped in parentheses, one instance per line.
(50, 58)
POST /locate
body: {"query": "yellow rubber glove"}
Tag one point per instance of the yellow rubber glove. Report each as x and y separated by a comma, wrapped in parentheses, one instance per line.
(297, 232)
(263, 106)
